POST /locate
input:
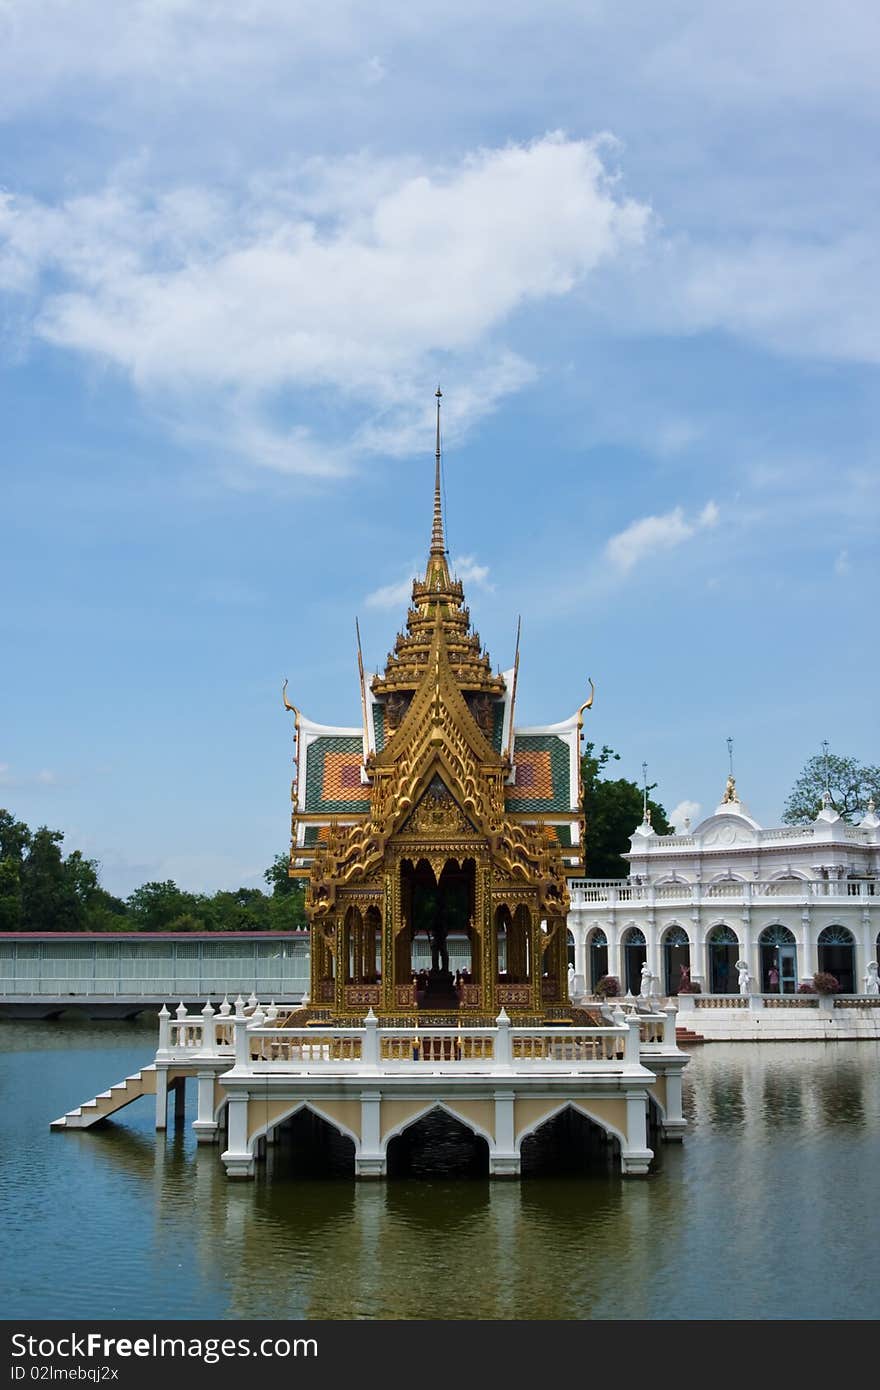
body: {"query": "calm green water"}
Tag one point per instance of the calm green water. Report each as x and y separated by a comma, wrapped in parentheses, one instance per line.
(768, 1210)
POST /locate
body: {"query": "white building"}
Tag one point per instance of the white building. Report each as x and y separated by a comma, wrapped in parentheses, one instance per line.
(790, 901)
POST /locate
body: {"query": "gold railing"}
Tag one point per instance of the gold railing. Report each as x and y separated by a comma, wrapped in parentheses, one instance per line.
(568, 1047)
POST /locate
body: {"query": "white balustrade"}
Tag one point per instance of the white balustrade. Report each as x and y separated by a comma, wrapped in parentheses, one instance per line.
(584, 892)
(256, 1045)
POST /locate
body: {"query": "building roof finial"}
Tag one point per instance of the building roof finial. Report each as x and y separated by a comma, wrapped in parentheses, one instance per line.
(438, 543)
(826, 794)
(731, 796)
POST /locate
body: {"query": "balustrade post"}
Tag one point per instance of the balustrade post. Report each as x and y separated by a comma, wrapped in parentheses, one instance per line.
(242, 1056)
(669, 1027)
(164, 1029)
(370, 1043)
(209, 1041)
(632, 1054)
(503, 1048)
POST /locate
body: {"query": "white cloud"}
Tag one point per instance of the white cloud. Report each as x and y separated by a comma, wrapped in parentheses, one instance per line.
(391, 595)
(397, 595)
(656, 533)
(45, 777)
(843, 565)
(374, 71)
(684, 811)
(354, 280)
(797, 293)
(469, 571)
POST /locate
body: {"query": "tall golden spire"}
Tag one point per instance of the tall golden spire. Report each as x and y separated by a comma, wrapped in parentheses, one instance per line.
(435, 598)
(438, 544)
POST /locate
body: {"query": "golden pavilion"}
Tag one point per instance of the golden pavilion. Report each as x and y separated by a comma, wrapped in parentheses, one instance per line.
(438, 819)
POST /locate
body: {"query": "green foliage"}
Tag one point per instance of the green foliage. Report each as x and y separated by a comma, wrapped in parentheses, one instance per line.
(612, 809)
(42, 890)
(10, 894)
(15, 837)
(154, 906)
(851, 784)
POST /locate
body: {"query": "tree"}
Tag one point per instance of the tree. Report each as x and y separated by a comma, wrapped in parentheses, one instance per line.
(850, 783)
(612, 809)
(48, 899)
(10, 894)
(287, 910)
(15, 837)
(155, 906)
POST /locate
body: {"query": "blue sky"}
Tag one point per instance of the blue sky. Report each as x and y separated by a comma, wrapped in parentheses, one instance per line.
(239, 246)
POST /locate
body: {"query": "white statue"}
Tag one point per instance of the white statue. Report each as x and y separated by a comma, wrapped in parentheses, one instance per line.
(742, 969)
(872, 979)
(571, 982)
(645, 991)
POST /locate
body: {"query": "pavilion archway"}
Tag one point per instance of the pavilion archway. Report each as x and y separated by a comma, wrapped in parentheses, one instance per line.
(568, 1141)
(437, 1143)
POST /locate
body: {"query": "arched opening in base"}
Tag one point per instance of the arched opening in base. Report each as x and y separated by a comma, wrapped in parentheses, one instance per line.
(568, 1142)
(308, 1146)
(438, 1146)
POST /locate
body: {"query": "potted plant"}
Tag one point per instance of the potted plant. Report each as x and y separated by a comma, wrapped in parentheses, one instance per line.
(608, 987)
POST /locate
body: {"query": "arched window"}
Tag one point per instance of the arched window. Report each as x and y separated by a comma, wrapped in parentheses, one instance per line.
(778, 960)
(635, 953)
(676, 959)
(837, 956)
(598, 954)
(723, 952)
(777, 935)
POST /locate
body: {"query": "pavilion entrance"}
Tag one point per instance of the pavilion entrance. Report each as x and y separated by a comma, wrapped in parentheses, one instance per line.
(439, 945)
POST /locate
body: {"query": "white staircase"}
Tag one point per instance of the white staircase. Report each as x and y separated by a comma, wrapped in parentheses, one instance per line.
(140, 1083)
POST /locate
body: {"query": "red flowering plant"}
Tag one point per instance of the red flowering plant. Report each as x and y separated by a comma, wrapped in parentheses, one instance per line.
(825, 983)
(608, 987)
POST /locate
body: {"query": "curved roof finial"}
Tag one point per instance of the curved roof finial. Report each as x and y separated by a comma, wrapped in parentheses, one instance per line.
(438, 543)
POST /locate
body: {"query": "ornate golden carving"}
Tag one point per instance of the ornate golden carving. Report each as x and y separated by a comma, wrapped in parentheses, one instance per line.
(436, 794)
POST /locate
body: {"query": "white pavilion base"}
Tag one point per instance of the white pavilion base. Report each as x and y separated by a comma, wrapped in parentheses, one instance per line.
(371, 1083)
